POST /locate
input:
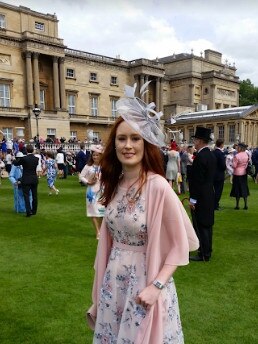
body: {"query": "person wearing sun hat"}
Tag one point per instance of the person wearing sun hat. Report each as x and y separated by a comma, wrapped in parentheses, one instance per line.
(145, 234)
(202, 195)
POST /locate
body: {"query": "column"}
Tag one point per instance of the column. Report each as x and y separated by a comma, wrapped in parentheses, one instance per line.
(226, 136)
(157, 94)
(215, 131)
(36, 78)
(191, 94)
(242, 133)
(62, 83)
(141, 83)
(212, 99)
(146, 96)
(136, 80)
(29, 79)
(161, 95)
(56, 83)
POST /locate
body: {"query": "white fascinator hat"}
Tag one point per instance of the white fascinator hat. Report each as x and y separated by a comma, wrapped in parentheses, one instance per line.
(19, 155)
(97, 149)
(141, 116)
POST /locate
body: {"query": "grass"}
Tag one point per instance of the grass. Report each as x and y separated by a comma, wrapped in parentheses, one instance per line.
(46, 272)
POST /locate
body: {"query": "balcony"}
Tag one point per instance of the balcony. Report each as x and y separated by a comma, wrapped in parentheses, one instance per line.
(13, 112)
(78, 118)
(31, 36)
(96, 57)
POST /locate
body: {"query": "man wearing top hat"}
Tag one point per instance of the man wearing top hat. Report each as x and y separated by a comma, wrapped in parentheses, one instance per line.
(202, 193)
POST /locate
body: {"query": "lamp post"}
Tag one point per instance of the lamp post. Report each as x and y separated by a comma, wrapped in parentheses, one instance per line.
(37, 112)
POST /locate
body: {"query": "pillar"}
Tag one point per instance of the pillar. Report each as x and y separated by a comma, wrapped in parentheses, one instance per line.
(161, 95)
(29, 79)
(146, 96)
(141, 83)
(56, 83)
(157, 96)
(62, 83)
(212, 99)
(191, 94)
(36, 78)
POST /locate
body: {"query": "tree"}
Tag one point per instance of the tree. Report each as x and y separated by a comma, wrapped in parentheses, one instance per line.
(248, 93)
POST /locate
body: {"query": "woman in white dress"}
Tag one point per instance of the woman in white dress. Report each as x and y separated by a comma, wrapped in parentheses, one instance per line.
(90, 176)
(173, 166)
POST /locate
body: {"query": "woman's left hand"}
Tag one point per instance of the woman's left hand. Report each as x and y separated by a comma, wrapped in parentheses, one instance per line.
(148, 296)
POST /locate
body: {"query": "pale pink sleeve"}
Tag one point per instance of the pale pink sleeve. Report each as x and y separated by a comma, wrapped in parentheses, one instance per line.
(179, 233)
(170, 232)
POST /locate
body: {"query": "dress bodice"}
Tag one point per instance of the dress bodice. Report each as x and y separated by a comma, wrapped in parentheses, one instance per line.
(126, 221)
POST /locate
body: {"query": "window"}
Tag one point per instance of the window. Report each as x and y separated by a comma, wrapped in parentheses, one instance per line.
(2, 21)
(51, 133)
(8, 133)
(39, 26)
(70, 73)
(42, 100)
(73, 135)
(20, 132)
(5, 95)
(113, 80)
(206, 90)
(71, 103)
(221, 132)
(232, 133)
(113, 107)
(94, 105)
(93, 77)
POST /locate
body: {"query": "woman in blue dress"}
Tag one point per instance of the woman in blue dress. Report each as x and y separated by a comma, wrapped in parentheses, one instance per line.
(15, 177)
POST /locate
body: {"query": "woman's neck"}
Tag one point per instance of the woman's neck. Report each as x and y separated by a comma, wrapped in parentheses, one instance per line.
(130, 177)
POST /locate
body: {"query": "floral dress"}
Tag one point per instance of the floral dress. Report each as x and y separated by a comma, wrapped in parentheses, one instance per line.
(51, 172)
(118, 315)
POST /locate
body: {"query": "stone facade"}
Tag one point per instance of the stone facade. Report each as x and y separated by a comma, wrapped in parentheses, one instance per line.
(77, 91)
(238, 124)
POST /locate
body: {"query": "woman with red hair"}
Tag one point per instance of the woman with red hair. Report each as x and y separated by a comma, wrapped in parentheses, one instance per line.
(145, 235)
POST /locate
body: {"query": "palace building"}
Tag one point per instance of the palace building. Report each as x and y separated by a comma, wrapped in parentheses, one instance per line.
(77, 91)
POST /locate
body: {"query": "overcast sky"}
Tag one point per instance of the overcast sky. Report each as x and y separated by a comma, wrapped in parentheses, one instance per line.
(157, 28)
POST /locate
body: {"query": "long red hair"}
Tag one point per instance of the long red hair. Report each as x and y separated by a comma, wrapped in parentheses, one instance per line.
(111, 168)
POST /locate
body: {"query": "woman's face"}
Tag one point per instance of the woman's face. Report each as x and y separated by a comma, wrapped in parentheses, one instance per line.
(96, 158)
(129, 147)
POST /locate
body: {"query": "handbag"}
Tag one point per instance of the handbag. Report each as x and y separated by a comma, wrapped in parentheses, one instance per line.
(250, 169)
(179, 177)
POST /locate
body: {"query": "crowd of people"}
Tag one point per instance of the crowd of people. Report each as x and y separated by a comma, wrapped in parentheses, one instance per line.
(144, 232)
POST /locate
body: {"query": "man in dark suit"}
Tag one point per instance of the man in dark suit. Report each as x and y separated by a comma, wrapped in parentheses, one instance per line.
(81, 158)
(202, 193)
(29, 180)
(219, 172)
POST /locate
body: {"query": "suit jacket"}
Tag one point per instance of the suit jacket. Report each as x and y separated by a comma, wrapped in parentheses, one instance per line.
(29, 164)
(201, 186)
(221, 165)
(170, 238)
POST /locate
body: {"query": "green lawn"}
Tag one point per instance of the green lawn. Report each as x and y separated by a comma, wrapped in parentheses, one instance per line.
(46, 271)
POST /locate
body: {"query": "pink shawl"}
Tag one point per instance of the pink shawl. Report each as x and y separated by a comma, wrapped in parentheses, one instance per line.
(170, 238)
